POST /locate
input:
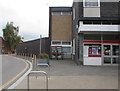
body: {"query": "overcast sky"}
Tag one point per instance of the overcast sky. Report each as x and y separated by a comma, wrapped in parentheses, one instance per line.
(32, 16)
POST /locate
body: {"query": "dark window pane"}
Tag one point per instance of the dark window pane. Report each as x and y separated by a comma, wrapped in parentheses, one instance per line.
(107, 50)
(87, 22)
(110, 37)
(92, 37)
(107, 60)
(115, 23)
(56, 43)
(96, 22)
(115, 50)
(115, 60)
(66, 43)
(106, 22)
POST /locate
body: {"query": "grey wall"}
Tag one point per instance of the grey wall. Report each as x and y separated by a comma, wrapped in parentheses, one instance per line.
(107, 9)
(33, 47)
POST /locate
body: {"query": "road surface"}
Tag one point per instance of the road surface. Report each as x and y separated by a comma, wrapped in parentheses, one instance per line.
(12, 69)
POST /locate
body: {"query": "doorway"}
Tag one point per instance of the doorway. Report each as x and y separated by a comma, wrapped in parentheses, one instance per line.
(110, 54)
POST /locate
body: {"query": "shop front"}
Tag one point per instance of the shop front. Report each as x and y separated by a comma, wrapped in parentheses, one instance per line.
(99, 49)
(101, 52)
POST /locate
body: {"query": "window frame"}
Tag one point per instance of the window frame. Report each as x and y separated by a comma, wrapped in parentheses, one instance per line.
(91, 6)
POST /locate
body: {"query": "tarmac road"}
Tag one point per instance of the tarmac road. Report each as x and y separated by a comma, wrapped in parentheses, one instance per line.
(12, 69)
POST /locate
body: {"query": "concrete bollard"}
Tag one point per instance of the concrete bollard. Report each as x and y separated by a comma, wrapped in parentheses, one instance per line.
(33, 63)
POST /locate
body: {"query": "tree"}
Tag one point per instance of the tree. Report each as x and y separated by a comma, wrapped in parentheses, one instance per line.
(10, 35)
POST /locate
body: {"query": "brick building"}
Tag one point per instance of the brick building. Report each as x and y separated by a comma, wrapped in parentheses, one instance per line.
(60, 31)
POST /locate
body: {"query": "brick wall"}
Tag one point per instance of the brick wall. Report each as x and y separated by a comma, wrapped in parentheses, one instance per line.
(61, 27)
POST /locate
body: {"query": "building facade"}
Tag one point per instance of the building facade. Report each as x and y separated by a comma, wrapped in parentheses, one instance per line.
(60, 27)
(34, 47)
(95, 30)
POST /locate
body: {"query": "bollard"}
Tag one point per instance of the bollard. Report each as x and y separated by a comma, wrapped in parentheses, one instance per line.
(33, 63)
(28, 56)
(31, 57)
(23, 55)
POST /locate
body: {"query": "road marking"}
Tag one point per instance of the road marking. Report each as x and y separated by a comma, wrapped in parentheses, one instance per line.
(14, 78)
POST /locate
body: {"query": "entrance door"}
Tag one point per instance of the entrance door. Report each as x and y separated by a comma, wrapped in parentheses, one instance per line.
(110, 54)
(115, 54)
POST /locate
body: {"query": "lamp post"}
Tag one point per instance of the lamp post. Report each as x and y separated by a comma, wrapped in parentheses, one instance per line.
(40, 42)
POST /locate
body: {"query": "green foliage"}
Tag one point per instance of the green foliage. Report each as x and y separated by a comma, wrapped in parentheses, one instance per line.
(43, 56)
(10, 35)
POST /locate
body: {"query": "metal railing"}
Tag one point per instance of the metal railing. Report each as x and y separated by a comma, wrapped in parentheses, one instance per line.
(40, 72)
(43, 64)
(32, 58)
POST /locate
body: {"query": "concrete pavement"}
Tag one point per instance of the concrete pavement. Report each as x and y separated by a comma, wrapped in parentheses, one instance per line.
(65, 74)
(71, 82)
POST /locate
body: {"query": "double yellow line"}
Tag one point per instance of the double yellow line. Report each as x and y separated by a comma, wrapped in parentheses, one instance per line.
(14, 78)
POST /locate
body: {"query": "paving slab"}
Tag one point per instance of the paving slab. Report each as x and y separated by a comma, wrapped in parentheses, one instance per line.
(71, 82)
(66, 74)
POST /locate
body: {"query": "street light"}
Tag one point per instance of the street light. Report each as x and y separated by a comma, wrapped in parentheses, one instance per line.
(40, 42)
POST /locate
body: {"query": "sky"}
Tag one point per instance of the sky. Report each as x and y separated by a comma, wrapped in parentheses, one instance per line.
(32, 16)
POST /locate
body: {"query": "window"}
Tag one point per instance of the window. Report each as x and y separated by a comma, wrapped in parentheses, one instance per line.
(61, 13)
(66, 49)
(87, 22)
(93, 50)
(111, 37)
(106, 22)
(56, 42)
(107, 50)
(66, 13)
(102, 22)
(91, 3)
(56, 13)
(92, 37)
(66, 43)
(115, 50)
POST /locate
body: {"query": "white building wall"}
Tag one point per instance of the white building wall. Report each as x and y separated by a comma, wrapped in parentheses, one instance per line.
(97, 27)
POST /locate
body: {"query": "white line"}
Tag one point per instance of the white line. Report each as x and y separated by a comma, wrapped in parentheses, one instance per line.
(22, 77)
